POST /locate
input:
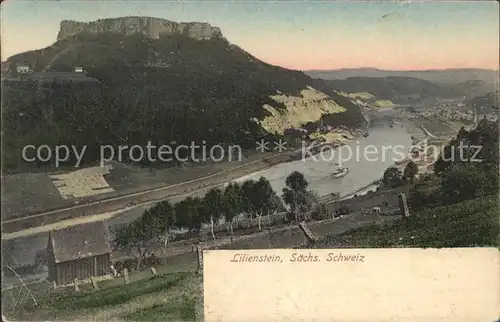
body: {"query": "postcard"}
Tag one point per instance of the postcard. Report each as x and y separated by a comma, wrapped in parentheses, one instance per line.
(250, 160)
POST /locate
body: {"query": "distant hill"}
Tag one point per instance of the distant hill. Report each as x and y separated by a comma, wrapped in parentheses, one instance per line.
(447, 83)
(438, 76)
(173, 88)
(403, 90)
(409, 90)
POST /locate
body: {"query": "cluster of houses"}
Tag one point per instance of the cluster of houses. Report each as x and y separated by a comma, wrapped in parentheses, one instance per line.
(453, 110)
(415, 115)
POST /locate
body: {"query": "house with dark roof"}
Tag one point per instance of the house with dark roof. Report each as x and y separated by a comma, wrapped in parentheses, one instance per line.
(80, 252)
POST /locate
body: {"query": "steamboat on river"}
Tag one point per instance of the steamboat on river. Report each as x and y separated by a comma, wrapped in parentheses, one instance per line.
(340, 172)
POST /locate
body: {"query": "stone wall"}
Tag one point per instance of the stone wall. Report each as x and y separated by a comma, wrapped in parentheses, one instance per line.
(148, 26)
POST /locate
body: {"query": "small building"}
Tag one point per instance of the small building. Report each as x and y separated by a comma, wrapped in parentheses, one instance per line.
(78, 69)
(23, 69)
(79, 252)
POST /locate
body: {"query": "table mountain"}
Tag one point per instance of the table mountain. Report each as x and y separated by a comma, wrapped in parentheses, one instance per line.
(148, 26)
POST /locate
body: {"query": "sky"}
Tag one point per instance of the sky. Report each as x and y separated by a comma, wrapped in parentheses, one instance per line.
(296, 34)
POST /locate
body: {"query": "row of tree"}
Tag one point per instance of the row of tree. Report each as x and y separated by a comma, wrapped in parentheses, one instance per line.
(252, 199)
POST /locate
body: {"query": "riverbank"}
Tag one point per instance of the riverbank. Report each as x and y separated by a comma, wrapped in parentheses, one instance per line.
(372, 186)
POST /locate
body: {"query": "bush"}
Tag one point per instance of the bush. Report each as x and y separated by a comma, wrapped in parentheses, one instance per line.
(130, 264)
(151, 260)
(119, 266)
(319, 213)
(344, 210)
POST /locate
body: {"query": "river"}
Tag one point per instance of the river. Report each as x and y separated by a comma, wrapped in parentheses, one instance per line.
(317, 171)
(389, 144)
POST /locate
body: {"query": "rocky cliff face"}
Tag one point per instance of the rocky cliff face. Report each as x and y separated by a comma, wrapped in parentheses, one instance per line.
(151, 27)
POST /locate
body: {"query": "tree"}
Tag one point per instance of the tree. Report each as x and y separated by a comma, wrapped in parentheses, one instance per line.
(187, 213)
(195, 212)
(246, 193)
(463, 182)
(392, 178)
(411, 170)
(182, 214)
(478, 147)
(212, 207)
(166, 218)
(232, 205)
(468, 169)
(261, 197)
(462, 133)
(318, 210)
(276, 205)
(295, 193)
(138, 237)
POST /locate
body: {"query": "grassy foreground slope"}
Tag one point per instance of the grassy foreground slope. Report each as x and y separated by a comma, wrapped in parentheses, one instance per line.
(167, 297)
(208, 90)
(472, 223)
